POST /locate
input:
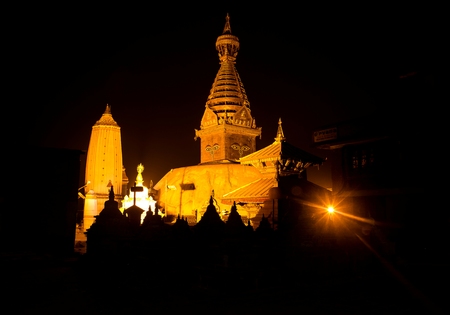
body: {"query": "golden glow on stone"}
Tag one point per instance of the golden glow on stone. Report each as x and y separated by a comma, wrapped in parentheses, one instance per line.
(90, 209)
(227, 132)
(220, 178)
(103, 163)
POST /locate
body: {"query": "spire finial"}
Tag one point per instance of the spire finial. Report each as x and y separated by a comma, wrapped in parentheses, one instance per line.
(106, 119)
(227, 28)
(227, 44)
(108, 109)
(280, 135)
(139, 179)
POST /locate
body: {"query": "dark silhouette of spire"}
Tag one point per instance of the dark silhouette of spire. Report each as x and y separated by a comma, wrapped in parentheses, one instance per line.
(264, 229)
(210, 227)
(111, 209)
(234, 224)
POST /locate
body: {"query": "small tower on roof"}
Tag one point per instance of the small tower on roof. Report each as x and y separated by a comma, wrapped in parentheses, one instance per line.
(281, 157)
(227, 130)
(280, 134)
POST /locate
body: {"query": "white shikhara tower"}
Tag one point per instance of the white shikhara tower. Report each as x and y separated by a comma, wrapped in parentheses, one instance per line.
(104, 166)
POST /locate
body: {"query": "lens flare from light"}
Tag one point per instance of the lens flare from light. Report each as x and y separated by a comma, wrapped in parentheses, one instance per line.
(330, 209)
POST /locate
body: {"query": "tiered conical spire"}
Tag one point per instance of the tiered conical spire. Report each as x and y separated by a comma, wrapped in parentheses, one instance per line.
(106, 119)
(227, 44)
(227, 129)
(280, 134)
(227, 28)
(227, 95)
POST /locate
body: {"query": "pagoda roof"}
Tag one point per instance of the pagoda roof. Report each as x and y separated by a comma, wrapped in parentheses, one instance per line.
(282, 150)
(256, 191)
(282, 154)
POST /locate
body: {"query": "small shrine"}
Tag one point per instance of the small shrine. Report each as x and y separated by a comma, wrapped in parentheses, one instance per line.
(140, 197)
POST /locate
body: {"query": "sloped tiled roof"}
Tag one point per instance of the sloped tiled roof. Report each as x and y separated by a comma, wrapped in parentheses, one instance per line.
(256, 191)
(281, 150)
(289, 157)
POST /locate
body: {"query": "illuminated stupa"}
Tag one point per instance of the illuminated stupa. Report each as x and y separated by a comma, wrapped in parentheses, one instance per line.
(230, 167)
(227, 132)
(104, 167)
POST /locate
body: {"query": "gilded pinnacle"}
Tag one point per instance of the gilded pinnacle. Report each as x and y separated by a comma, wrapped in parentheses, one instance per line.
(227, 97)
(280, 134)
(139, 177)
(227, 44)
(227, 28)
(106, 119)
(108, 109)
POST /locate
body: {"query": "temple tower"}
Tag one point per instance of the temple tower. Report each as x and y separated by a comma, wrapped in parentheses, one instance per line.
(227, 129)
(104, 167)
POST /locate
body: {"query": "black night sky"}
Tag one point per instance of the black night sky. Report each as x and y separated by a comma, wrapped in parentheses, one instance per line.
(310, 65)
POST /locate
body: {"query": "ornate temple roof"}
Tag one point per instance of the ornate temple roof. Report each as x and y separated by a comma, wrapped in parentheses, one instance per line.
(288, 158)
(106, 119)
(255, 192)
(227, 101)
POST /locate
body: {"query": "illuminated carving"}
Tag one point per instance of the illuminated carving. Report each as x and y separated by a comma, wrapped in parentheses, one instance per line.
(212, 149)
(240, 148)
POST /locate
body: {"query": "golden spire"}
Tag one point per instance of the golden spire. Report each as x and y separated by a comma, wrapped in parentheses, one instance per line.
(227, 95)
(108, 109)
(227, 28)
(280, 135)
(227, 44)
(227, 124)
(106, 119)
(139, 178)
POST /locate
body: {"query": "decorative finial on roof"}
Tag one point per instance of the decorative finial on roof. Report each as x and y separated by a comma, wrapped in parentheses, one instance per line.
(227, 28)
(227, 44)
(139, 178)
(108, 109)
(280, 135)
(106, 119)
